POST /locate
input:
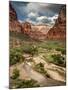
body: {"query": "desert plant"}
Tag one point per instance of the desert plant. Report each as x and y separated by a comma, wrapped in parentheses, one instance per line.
(18, 83)
(58, 59)
(40, 68)
(63, 50)
(15, 56)
(33, 50)
(15, 74)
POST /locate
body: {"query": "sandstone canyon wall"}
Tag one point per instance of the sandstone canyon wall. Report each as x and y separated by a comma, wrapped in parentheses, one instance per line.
(39, 32)
(14, 25)
(58, 32)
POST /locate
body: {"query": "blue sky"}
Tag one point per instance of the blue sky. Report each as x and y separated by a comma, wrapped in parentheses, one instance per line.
(36, 13)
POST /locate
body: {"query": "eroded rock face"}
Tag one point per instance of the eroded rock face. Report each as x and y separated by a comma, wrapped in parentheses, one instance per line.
(26, 28)
(34, 31)
(12, 13)
(39, 32)
(14, 25)
(58, 31)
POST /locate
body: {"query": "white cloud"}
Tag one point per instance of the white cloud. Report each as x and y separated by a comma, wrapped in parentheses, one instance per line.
(32, 14)
(54, 17)
(31, 21)
(33, 7)
(46, 20)
(38, 13)
(41, 18)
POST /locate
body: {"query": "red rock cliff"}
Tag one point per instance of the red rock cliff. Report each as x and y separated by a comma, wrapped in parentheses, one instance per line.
(58, 31)
(14, 25)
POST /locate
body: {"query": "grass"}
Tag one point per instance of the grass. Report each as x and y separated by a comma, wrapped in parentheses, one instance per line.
(57, 59)
(63, 50)
(48, 44)
(20, 36)
(48, 58)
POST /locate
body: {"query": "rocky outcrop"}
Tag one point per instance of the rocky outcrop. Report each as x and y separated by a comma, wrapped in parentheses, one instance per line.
(26, 28)
(58, 32)
(39, 32)
(12, 13)
(14, 25)
(33, 31)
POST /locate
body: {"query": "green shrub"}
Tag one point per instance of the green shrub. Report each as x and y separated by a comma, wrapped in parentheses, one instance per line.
(33, 50)
(15, 56)
(15, 74)
(63, 50)
(40, 68)
(18, 83)
(58, 59)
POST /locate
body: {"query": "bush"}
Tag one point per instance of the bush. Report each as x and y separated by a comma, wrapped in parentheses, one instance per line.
(15, 56)
(58, 59)
(40, 68)
(15, 73)
(33, 50)
(18, 83)
(63, 50)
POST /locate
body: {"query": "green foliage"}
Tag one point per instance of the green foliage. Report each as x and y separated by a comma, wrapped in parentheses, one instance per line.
(15, 73)
(63, 50)
(15, 56)
(48, 58)
(58, 59)
(40, 68)
(18, 83)
(51, 44)
(20, 36)
(33, 50)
